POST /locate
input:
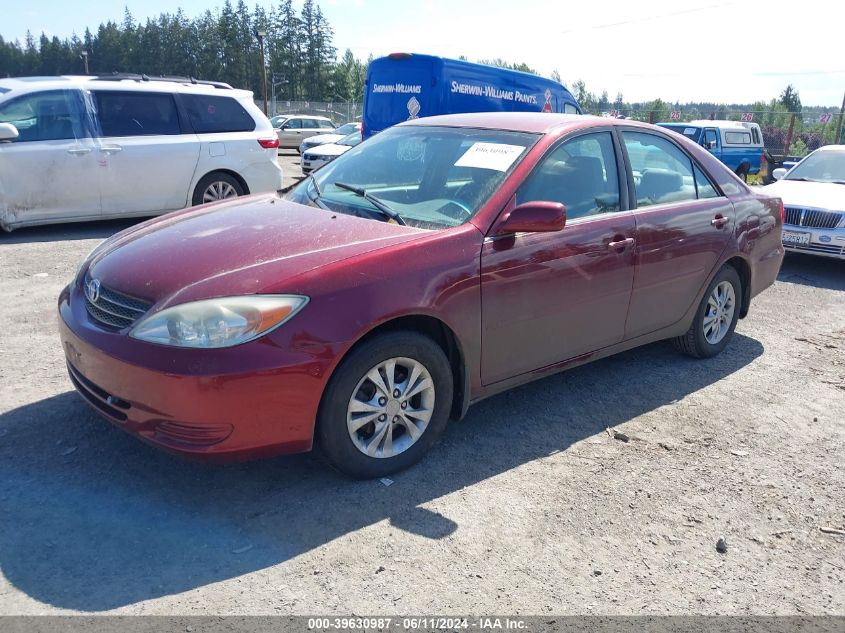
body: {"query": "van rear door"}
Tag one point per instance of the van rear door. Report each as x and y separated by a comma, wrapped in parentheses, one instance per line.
(398, 90)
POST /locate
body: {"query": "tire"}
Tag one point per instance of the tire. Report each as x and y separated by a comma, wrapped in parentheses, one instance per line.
(218, 183)
(700, 342)
(742, 172)
(344, 446)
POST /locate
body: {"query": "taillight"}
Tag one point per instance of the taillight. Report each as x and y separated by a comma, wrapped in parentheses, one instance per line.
(362, 129)
(399, 55)
(269, 143)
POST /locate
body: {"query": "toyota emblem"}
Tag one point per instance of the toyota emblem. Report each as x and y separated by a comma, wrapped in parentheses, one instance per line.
(92, 290)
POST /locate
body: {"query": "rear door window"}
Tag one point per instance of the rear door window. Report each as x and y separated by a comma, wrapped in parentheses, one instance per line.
(214, 114)
(136, 113)
(662, 172)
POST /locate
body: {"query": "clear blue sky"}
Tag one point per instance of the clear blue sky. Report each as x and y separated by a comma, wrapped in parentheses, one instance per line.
(685, 50)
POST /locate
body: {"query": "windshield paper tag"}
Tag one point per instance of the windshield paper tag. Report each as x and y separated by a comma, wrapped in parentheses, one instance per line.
(490, 156)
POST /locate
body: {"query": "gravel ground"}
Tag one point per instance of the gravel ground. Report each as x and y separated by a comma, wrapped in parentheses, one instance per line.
(528, 506)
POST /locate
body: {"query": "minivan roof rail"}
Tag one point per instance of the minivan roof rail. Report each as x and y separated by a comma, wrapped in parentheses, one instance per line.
(181, 80)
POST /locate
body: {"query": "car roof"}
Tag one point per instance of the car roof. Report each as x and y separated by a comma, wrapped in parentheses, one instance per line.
(305, 116)
(531, 122)
(21, 85)
(831, 148)
(708, 123)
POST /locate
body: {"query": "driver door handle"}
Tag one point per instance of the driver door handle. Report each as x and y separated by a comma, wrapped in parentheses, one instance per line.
(79, 151)
(628, 241)
(110, 149)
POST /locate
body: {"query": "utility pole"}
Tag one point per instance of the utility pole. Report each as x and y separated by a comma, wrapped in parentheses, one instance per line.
(260, 35)
(841, 116)
(84, 56)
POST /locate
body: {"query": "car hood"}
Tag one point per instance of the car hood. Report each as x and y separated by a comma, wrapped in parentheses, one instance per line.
(819, 195)
(329, 150)
(321, 139)
(247, 246)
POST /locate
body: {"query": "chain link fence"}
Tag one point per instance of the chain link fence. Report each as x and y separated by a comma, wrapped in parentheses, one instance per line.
(784, 133)
(339, 112)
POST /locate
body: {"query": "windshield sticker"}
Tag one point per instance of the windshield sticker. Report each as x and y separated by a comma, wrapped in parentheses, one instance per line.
(496, 156)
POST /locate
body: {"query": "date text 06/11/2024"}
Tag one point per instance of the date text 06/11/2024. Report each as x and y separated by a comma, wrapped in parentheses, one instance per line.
(415, 623)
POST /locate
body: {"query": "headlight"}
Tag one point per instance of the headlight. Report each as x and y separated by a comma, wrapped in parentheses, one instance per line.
(215, 323)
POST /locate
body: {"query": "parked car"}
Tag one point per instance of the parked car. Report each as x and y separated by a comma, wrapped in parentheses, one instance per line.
(322, 154)
(322, 139)
(814, 195)
(405, 86)
(737, 144)
(442, 261)
(91, 148)
(298, 127)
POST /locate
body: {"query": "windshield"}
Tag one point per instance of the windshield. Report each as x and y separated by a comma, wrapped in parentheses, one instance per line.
(348, 129)
(823, 166)
(432, 177)
(276, 121)
(351, 139)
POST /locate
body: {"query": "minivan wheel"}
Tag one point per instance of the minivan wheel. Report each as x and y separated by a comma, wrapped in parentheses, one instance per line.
(217, 186)
(716, 317)
(386, 404)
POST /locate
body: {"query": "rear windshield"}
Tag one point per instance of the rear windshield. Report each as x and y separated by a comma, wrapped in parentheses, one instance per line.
(434, 177)
(209, 114)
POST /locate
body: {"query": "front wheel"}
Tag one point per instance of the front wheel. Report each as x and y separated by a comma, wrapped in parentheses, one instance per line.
(716, 317)
(386, 404)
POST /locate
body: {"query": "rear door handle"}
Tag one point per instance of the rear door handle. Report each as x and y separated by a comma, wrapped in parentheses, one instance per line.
(628, 241)
(719, 221)
(79, 151)
(110, 149)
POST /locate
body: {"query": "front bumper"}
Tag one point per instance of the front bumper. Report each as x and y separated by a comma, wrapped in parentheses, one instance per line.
(825, 242)
(254, 400)
(311, 163)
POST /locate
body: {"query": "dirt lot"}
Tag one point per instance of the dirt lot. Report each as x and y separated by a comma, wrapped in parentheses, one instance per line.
(527, 507)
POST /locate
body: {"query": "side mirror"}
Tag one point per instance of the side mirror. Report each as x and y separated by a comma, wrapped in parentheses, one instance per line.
(8, 132)
(779, 173)
(533, 217)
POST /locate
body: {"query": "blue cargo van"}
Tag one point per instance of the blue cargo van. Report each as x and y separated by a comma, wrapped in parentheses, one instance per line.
(406, 86)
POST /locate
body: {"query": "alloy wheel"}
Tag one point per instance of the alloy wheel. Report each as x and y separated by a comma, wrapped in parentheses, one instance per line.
(219, 190)
(391, 407)
(719, 313)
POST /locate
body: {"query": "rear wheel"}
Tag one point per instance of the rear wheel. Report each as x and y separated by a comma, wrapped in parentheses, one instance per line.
(716, 317)
(386, 404)
(742, 172)
(217, 186)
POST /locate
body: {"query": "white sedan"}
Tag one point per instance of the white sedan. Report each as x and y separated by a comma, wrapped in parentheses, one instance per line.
(813, 194)
(334, 137)
(322, 154)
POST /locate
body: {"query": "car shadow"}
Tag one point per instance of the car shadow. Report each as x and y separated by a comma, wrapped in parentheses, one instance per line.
(70, 231)
(811, 270)
(95, 520)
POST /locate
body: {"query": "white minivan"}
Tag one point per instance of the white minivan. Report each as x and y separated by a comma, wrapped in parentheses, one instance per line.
(90, 148)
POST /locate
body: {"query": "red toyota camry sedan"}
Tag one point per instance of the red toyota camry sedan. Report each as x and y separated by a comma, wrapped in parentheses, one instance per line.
(440, 262)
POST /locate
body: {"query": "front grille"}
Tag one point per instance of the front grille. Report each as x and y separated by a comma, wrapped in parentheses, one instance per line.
(813, 218)
(114, 309)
